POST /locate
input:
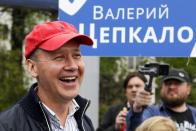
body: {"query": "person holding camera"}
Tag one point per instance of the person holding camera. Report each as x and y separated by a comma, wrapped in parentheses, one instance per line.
(115, 117)
(175, 89)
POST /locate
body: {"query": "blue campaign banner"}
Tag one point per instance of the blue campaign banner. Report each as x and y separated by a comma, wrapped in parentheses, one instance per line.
(134, 27)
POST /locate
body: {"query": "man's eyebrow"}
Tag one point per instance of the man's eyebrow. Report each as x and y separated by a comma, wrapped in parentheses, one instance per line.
(77, 49)
(57, 52)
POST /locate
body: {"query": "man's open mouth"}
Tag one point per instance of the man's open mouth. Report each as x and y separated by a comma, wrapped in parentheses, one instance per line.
(68, 79)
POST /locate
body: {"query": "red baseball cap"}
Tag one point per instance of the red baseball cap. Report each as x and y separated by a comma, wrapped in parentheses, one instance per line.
(51, 36)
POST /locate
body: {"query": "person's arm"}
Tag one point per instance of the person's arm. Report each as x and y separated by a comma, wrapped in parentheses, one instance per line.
(151, 111)
(136, 116)
(142, 100)
(134, 119)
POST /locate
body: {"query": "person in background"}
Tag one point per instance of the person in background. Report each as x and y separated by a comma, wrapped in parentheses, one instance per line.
(115, 117)
(53, 57)
(175, 89)
(157, 123)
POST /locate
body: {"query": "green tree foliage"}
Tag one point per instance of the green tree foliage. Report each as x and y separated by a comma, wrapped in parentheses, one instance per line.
(111, 92)
(3, 32)
(108, 84)
(11, 85)
(13, 82)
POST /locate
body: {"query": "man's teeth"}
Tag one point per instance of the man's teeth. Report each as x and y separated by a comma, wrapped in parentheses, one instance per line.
(71, 78)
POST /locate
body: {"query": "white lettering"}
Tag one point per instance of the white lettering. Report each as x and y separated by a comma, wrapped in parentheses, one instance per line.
(104, 35)
(150, 35)
(134, 34)
(130, 13)
(163, 11)
(109, 14)
(164, 34)
(92, 33)
(151, 13)
(139, 12)
(115, 36)
(119, 12)
(189, 37)
(97, 12)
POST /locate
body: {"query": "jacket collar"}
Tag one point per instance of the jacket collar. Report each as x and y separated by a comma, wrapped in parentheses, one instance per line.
(32, 105)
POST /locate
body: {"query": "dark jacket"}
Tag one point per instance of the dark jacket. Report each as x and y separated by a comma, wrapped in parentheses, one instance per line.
(108, 123)
(29, 115)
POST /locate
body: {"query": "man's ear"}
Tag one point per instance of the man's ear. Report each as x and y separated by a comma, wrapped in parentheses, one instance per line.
(189, 89)
(32, 67)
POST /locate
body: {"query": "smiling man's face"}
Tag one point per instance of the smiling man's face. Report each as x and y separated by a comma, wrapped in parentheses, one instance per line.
(59, 73)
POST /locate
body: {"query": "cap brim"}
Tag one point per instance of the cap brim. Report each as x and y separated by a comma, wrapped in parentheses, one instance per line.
(59, 40)
(175, 78)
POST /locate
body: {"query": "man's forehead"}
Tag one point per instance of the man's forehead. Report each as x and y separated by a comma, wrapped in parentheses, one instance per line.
(67, 48)
(63, 50)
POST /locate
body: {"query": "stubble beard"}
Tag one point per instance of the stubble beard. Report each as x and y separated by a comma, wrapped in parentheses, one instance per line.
(173, 102)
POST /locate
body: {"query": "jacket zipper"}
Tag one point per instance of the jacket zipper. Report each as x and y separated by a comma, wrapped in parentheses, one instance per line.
(45, 117)
(85, 108)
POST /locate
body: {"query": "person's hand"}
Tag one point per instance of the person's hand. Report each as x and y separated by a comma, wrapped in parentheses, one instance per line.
(120, 119)
(143, 98)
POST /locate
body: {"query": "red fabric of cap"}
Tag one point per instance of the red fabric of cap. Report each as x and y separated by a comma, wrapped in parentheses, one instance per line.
(51, 36)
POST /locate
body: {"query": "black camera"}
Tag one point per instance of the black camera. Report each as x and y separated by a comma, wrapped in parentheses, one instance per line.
(153, 69)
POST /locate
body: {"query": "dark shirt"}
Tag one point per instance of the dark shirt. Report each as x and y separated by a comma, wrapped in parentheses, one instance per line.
(184, 120)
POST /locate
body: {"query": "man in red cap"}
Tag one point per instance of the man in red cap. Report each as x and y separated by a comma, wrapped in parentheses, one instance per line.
(53, 57)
